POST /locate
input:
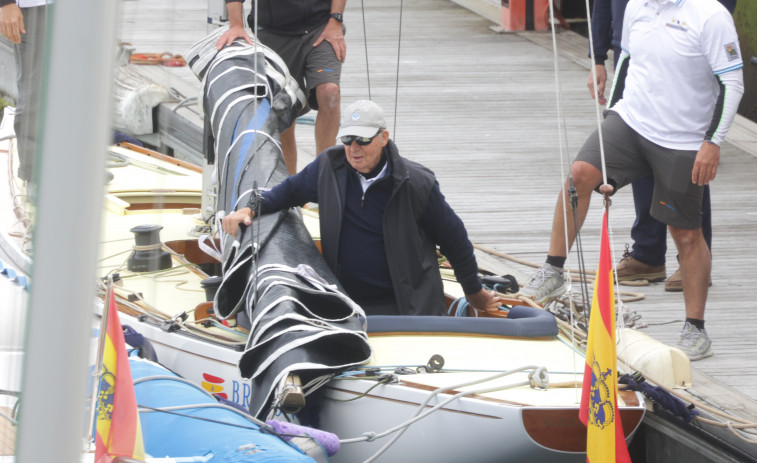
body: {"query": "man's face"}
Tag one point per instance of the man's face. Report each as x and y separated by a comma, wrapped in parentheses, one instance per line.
(363, 158)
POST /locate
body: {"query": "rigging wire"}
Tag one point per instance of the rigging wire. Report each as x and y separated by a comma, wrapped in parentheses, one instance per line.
(397, 75)
(606, 189)
(562, 135)
(365, 45)
(580, 253)
(563, 144)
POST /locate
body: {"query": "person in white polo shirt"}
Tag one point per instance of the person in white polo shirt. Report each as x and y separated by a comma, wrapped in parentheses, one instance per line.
(675, 94)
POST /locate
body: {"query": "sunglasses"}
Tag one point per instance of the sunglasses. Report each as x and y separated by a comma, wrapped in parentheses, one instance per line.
(362, 141)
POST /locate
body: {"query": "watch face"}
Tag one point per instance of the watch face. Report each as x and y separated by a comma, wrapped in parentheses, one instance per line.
(337, 16)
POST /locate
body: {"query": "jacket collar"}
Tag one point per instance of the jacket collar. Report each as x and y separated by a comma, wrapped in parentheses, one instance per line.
(397, 166)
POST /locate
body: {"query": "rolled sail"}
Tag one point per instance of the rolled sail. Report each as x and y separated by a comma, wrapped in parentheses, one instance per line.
(274, 277)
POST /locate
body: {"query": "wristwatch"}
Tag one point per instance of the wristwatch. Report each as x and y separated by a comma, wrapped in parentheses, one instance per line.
(337, 16)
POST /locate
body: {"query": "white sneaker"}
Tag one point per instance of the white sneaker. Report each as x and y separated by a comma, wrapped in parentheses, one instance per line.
(546, 283)
(694, 342)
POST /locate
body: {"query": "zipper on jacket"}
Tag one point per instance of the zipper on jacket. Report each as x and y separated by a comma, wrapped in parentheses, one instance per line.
(362, 200)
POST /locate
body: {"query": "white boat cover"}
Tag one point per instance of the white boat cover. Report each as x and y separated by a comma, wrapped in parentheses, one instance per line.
(274, 278)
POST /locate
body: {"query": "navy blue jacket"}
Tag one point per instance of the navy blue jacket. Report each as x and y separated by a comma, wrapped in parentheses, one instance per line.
(414, 220)
(607, 27)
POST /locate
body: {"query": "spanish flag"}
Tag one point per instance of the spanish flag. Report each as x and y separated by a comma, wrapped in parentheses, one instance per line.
(119, 433)
(599, 399)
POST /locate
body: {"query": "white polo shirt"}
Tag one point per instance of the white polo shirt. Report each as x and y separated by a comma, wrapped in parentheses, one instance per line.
(678, 49)
(32, 3)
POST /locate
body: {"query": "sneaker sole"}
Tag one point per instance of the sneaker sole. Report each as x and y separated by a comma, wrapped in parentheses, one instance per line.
(650, 277)
(709, 353)
(558, 292)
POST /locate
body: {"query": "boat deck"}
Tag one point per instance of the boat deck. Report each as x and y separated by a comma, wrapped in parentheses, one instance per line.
(479, 108)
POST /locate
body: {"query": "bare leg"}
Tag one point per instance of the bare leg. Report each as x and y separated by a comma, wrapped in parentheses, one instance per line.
(696, 264)
(289, 149)
(548, 281)
(585, 178)
(327, 121)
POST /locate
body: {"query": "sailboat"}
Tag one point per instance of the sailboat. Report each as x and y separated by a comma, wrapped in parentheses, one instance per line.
(443, 379)
(381, 383)
(447, 380)
(396, 381)
(219, 339)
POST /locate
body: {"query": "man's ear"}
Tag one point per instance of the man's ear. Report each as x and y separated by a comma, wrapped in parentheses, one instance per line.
(384, 137)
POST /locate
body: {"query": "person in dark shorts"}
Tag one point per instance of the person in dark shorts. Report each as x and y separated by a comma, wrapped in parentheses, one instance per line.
(678, 85)
(646, 258)
(309, 37)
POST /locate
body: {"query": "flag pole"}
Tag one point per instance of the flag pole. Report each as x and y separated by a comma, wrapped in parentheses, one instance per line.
(98, 367)
(599, 412)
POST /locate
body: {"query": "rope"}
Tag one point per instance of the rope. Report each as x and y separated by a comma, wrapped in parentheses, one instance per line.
(596, 94)
(458, 308)
(10, 420)
(170, 411)
(736, 424)
(384, 379)
(660, 396)
(630, 296)
(742, 423)
(562, 135)
(537, 372)
(147, 247)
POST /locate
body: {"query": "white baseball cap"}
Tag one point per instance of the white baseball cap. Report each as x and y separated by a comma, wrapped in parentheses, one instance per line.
(362, 118)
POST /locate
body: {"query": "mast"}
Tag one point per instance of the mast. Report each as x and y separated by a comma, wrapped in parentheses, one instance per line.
(75, 132)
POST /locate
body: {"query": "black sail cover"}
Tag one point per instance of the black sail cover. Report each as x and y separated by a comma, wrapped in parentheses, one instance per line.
(301, 319)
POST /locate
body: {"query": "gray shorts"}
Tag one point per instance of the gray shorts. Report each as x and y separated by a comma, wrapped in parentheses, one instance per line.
(310, 66)
(676, 200)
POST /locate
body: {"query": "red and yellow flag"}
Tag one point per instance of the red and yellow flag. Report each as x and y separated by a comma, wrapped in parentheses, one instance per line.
(119, 433)
(599, 400)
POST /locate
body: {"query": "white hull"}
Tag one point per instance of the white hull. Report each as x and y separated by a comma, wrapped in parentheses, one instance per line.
(487, 427)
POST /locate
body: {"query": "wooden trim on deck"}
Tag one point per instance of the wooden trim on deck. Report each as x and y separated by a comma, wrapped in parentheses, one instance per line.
(161, 156)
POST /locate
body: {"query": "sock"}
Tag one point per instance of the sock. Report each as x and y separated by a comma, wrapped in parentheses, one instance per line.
(698, 323)
(556, 261)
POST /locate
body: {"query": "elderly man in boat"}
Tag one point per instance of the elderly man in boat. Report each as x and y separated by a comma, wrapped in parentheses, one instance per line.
(381, 218)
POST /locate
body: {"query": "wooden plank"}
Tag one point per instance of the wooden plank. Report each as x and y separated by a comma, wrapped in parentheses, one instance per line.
(7, 433)
(489, 9)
